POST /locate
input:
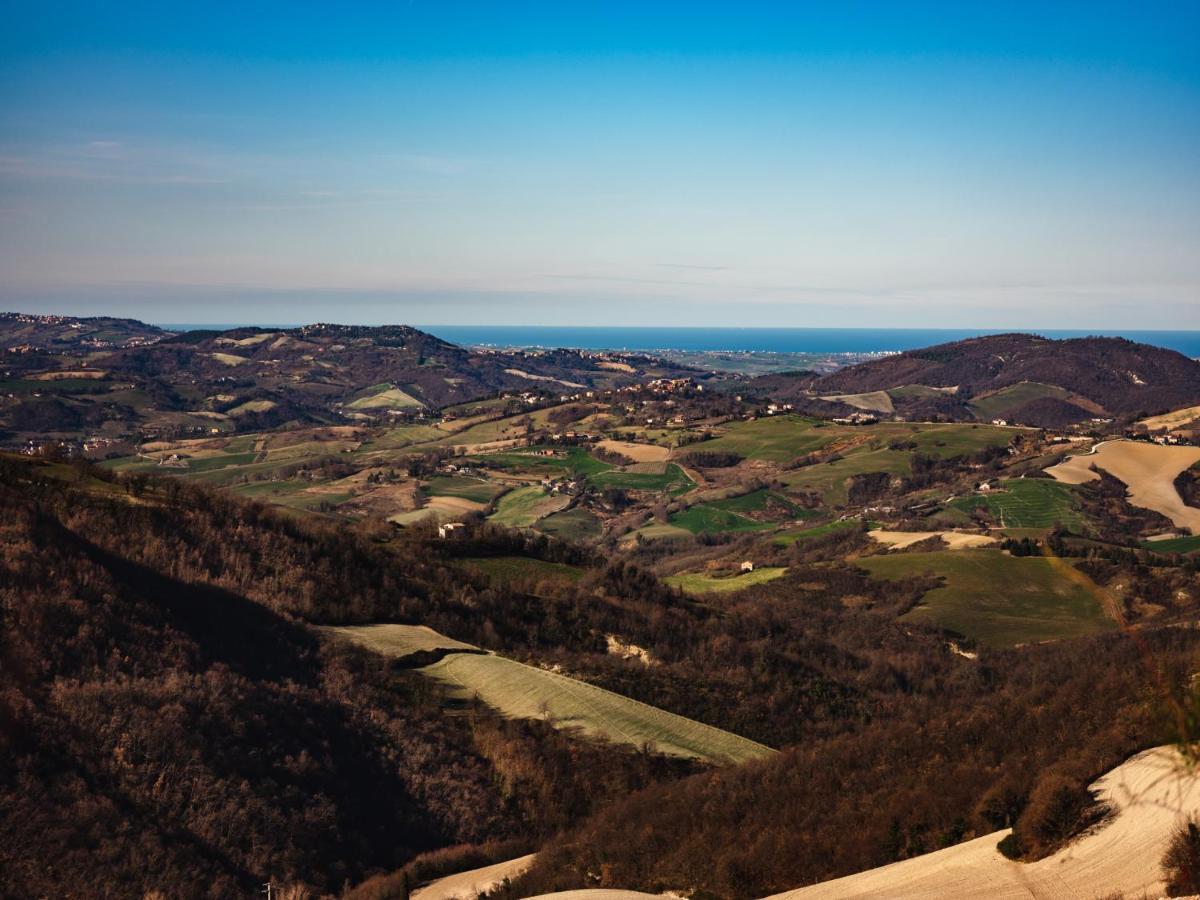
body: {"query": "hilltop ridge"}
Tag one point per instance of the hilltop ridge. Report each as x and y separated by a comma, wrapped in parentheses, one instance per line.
(1021, 378)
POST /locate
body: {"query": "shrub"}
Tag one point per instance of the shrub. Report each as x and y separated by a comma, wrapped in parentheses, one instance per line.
(1181, 862)
(1059, 806)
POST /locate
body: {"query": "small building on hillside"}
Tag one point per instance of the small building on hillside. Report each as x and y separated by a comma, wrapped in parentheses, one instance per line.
(748, 566)
(451, 530)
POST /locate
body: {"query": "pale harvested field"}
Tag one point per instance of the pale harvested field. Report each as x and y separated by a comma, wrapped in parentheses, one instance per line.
(396, 640)
(1152, 793)
(230, 359)
(532, 377)
(955, 540)
(443, 509)
(639, 453)
(1148, 470)
(1172, 419)
(93, 374)
(872, 401)
(616, 366)
(252, 406)
(251, 341)
(468, 885)
(600, 894)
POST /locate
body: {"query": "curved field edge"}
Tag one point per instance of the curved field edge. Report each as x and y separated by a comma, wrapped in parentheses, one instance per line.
(527, 692)
(521, 691)
(1153, 793)
(471, 883)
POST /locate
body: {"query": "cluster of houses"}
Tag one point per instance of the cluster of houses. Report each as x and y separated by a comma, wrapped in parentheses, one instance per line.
(858, 418)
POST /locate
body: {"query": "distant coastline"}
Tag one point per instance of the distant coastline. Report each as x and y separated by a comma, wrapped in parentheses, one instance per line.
(749, 340)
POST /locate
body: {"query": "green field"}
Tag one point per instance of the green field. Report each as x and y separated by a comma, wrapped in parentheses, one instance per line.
(473, 489)
(291, 494)
(195, 465)
(777, 439)
(399, 437)
(1028, 503)
(716, 516)
(924, 392)
(807, 534)
(704, 519)
(996, 599)
(673, 480)
(572, 525)
(526, 692)
(524, 506)
(506, 569)
(568, 460)
(784, 438)
(698, 583)
(1187, 544)
(1010, 399)
(658, 530)
(829, 480)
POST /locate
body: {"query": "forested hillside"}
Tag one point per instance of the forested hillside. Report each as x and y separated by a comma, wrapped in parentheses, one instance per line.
(1023, 378)
(168, 722)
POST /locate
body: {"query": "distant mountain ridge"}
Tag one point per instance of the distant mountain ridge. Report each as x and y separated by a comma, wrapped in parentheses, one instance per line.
(33, 332)
(69, 375)
(1024, 378)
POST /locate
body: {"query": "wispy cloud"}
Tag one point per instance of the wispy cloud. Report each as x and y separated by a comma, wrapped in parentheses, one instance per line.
(432, 164)
(111, 161)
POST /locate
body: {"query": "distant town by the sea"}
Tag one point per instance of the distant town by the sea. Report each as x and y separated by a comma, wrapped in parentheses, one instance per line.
(752, 340)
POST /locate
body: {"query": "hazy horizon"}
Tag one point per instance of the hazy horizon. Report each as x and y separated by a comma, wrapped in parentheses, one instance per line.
(924, 165)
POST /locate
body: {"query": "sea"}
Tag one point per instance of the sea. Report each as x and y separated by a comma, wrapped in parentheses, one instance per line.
(759, 340)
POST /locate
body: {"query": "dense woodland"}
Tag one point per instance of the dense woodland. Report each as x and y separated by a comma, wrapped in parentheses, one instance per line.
(167, 721)
(170, 722)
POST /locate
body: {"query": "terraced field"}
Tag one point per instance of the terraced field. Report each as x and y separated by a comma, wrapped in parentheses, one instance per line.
(996, 599)
(1028, 503)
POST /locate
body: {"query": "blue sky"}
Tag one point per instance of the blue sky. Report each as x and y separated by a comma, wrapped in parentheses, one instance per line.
(878, 164)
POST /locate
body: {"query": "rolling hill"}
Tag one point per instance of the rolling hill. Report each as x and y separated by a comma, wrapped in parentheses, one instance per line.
(123, 379)
(1022, 378)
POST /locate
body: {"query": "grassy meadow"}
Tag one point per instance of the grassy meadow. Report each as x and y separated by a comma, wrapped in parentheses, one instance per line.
(527, 692)
(1028, 503)
(996, 599)
(699, 583)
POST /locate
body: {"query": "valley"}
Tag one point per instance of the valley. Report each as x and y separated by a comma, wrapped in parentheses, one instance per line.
(553, 598)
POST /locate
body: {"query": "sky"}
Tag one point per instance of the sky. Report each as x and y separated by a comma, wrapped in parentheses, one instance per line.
(989, 165)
